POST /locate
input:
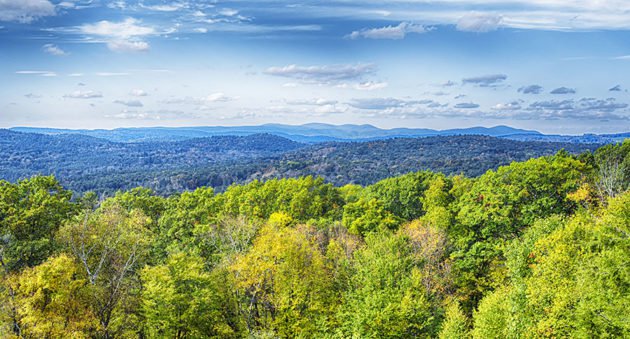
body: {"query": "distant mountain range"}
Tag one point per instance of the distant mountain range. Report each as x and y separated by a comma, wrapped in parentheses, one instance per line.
(316, 133)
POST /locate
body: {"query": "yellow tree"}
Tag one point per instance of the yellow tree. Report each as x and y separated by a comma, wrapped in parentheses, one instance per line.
(283, 283)
(51, 301)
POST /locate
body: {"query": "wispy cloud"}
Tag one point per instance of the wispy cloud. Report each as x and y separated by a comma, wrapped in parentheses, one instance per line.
(33, 96)
(200, 102)
(128, 46)
(370, 85)
(123, 36)
(510, 106)
(170, 7)
(485, 80)
(127, 114)
(563, 90)
(466, 105)
(381, 103)
(312, 102)
(531, 89)
(83, 95)
(138, 93)
(54, 50)
(129, 103)
(389, 32)
(583, 109)
(110, 74)
(479, 22)
(323, 74)
(25, 11)
(129, 27)
(40, 73)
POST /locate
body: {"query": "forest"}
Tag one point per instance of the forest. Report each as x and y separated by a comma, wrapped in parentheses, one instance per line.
(536, 248)
(85, 163)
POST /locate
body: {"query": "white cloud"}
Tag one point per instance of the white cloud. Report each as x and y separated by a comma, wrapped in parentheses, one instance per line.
(312, 102)
(117, 4)
(389, 32)
(83, 95)
(66, 4)
(25, 11)
(129, 103)
(383, 103)
(228, 12)
(202, 102)
(110, 74)
(128, 46)
(323, 74)
(217, 97)
(123, 36)
(53, 50)
(138, 93)
(510, 106)
(479, 22)
(370, 85)
(40, 73)
(127, 28)
(201, 30)
(165, 8)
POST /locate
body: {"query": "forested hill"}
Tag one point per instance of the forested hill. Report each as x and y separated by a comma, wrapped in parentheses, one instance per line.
(72, 156)
(367, 162)
(85, 163)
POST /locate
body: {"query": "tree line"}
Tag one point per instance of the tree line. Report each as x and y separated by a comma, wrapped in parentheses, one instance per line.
(533, 249)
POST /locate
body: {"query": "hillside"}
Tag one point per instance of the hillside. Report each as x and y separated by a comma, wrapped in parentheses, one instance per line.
(73, 156)
(367, 162)
(85, 163)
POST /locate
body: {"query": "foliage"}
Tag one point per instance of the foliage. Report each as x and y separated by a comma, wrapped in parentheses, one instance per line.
(30, 214)
(51, 301)
(182, 300)
(284, 284)
(84, 163)
(533, 249)
(386, 297)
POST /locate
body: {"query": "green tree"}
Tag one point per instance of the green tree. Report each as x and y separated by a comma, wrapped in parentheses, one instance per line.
(181, 300)
(110, 245)
(31, 211)
(568, 279)
(496, 209)
(365, 216)
(386, 297)
(455, 325)
(402, 195)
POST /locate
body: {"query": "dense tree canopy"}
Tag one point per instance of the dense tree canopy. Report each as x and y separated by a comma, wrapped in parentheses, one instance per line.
(538, 248)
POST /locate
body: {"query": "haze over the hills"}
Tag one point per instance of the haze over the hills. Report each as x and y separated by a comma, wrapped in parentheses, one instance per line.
(314, 132)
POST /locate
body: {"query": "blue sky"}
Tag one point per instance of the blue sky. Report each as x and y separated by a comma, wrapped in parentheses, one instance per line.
(555, 66)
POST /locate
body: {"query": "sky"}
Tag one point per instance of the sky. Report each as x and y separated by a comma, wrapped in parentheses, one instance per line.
(559, 67)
